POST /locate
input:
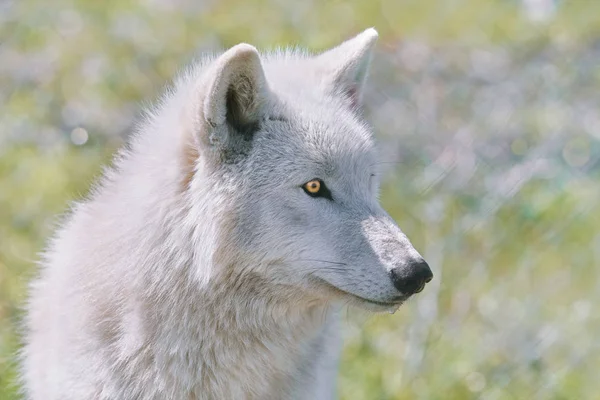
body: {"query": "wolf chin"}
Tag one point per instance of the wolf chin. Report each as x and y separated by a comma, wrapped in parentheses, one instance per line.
(210, 262)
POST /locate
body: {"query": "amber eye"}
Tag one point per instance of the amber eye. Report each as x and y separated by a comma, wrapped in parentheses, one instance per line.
(313, 186)
(317, 188)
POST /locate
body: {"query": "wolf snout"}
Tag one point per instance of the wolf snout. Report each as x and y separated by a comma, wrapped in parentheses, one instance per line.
(411, 277)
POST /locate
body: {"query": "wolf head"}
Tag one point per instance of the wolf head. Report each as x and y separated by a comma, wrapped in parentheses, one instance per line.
(280, 150)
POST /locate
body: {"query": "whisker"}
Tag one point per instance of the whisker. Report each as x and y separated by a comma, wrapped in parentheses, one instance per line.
(322, 269)
(325, 261)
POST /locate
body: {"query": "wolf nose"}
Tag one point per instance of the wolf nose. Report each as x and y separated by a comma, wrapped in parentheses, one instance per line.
(410, 279)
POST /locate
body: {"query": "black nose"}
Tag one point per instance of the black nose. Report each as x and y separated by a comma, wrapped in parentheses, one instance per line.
(411, 278)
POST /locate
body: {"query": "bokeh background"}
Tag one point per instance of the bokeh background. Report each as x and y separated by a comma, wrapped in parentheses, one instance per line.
(488, 115)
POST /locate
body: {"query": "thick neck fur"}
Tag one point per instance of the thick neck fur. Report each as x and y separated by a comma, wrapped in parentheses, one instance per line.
(221, 341)
(235, 347)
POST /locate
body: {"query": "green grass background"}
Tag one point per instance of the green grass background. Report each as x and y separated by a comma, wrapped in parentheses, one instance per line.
(512, 311)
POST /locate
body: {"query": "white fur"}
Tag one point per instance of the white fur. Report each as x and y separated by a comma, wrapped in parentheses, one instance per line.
(198, 268)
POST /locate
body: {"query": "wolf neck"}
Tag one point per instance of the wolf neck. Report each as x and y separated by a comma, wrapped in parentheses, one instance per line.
(260, 343)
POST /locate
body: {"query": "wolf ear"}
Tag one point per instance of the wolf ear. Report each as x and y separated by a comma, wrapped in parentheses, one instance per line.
(234, 91)
(345, 67)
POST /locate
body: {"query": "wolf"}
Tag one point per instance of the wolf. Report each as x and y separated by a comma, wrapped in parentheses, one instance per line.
(212, 259)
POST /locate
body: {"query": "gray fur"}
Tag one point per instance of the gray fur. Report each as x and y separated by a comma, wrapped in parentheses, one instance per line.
(199, 268)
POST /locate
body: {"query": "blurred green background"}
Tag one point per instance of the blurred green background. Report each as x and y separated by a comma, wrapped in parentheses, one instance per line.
(488, 113)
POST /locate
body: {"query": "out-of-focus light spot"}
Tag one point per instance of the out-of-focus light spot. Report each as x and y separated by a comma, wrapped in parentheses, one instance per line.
(547, 336)
(554, 117)
(489, 65)
(582, 309)
(519, 146)
(414, 55)
(539, 10)
(591, 123)
(93, 68)
(577, 152)
(475, 382)
(462, 367)
(487, 305)
(79, 136)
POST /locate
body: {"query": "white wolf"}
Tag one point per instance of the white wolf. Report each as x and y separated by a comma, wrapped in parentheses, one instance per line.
(211, 260)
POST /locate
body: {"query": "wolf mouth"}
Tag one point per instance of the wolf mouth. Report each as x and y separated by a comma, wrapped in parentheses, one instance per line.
(398, 300)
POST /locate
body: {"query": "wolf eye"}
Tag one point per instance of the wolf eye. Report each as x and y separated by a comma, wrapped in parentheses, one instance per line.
(317, 188)
(313, 186)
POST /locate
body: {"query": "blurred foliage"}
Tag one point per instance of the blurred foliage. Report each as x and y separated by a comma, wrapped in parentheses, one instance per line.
(487, 111)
